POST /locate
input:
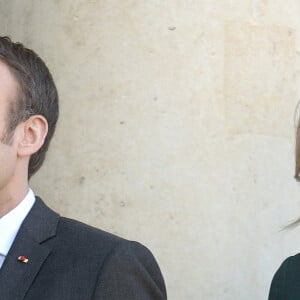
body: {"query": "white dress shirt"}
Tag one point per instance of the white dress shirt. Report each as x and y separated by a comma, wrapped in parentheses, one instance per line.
(11, 223)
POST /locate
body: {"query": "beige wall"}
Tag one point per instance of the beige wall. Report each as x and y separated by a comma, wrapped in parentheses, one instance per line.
(176, 130)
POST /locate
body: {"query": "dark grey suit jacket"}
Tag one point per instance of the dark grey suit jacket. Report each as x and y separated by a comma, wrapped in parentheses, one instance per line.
(286, 281)
(69, 260)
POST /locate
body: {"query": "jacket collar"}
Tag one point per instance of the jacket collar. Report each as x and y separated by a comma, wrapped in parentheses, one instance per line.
(34, 241)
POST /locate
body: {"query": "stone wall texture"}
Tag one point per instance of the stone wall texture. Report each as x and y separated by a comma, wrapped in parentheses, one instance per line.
(176, 130)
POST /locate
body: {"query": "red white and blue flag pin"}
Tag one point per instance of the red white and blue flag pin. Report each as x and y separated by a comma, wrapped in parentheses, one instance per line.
(23, 259)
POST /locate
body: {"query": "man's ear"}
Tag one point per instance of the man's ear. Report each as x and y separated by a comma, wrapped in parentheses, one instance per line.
(32, 135)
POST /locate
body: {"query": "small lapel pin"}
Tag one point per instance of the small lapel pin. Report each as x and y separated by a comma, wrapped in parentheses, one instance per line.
(23, 259)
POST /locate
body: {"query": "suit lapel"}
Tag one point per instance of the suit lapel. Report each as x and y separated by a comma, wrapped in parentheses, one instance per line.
(35, 242)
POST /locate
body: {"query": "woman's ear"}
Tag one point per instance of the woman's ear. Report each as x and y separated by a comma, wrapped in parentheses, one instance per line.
(32, 136)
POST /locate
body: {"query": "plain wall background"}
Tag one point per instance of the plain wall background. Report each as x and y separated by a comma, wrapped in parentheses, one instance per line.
(176, 130)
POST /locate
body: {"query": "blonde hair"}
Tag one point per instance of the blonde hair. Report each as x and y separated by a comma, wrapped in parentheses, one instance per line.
(297, 149)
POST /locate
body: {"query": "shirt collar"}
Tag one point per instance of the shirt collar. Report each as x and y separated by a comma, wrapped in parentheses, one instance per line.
(12, 221)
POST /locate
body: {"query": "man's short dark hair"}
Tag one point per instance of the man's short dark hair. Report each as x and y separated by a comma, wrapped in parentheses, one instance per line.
(37, 94)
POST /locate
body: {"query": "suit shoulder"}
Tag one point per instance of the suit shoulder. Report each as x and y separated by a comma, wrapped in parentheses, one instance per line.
(292, 264)
(82, 239)
(285, 283)
(77, 233)
(295, 257)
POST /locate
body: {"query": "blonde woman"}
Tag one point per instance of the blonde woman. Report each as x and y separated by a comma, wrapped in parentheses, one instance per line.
(286, 281)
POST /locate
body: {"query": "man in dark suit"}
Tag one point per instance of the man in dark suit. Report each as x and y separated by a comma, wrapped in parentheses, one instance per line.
(44, 256)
